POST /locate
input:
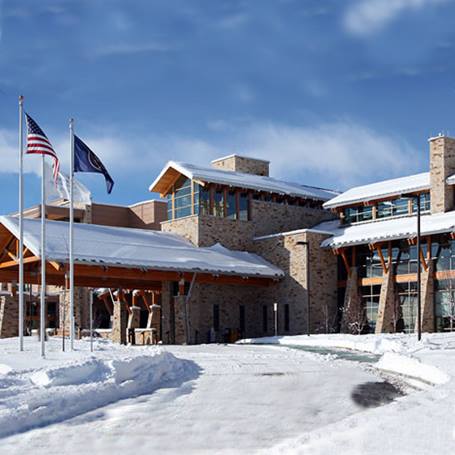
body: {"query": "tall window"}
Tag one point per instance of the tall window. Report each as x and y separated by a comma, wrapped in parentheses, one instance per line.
(243, 206)
(407, 293)
(231, 207)
(179, 201)
(370, 299)
(204, 201)
(445, 305)
(218, 203)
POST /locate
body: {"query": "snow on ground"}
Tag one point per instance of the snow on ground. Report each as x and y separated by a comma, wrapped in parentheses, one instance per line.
(35, 392)
(241, 398)
(420, 423)
(225, 399)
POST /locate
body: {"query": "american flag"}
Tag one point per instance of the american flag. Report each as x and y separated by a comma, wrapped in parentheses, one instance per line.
(38, 143)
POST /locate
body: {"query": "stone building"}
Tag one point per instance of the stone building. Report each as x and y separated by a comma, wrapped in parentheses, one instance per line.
(376, 243)
(245, 244)
(231, 208)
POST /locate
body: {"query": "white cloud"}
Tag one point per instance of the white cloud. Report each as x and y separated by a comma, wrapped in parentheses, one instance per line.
(365, 17)
(344, 153)
(337, 155)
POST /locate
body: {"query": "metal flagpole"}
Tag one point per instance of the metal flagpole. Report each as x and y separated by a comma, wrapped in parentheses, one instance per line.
(43, 257)
(91, 320)
(21, 227)
(71, 234)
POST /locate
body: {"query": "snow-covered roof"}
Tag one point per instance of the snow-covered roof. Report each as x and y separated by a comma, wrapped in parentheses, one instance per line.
(379, 190)
(138, 248)
(394, 229)
(241, 180)
(326, 227)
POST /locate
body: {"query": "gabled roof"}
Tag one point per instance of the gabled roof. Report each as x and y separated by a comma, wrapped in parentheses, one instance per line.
(381, 190)
(137, 248)
(379, 231)
(173, 169)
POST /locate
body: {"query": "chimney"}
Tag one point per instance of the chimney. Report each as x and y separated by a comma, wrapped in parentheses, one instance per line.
(243, 164)
(442, 165)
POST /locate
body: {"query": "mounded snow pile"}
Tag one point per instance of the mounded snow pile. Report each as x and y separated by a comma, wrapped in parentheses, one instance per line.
(365, 343)
(412, 367)
(47, 395)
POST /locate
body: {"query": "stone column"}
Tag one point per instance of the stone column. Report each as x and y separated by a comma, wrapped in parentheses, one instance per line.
(134, 317)
(180, 320)
(9, 314)
(354, 318)
(427, 299)
(442, 164)
(120, 323)
(387, 313)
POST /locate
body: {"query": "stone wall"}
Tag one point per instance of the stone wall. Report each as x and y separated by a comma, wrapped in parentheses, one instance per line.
(442, 164)
(187, 227)
(242, 164)
(271, 217)
(285, 252)
(9, 316)
(266, 218)
(81, 309)
(387, 309)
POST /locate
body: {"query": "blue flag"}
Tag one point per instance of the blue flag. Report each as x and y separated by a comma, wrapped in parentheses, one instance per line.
(86, 161)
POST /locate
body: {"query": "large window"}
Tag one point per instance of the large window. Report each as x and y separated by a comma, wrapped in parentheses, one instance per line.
(407, 294)
(386, 209)
(358, 214)
(179, 201)
(370, 299)
(445, 305)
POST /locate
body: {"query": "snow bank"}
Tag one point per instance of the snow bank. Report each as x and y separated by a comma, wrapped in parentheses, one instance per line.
(373, 344)
(408, 366)
(47, 395)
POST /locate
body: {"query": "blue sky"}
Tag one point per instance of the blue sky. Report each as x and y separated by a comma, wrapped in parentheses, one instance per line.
(334, 93)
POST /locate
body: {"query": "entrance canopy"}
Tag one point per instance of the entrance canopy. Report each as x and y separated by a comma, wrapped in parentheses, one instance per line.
(124, 257)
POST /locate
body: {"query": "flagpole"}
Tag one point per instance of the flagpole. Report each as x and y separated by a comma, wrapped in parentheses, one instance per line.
(21, 227)
(43, 258)
(71, 235)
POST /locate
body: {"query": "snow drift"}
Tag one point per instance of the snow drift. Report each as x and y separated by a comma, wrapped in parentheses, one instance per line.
(46, 395)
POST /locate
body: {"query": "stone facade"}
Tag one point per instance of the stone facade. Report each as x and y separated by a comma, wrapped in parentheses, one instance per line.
(354, 316)
(427, 299)
(442, 164)
(9, 316)
(271, 217)
(266, 218)
(290, 253)
(387, 311)
(120, 323)
(242, 164)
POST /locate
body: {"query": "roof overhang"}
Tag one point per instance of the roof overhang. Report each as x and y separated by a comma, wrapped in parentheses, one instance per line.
(389, 230)
(117, 271)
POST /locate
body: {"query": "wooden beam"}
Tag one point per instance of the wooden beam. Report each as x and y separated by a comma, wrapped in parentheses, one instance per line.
(381, 258)
(422, 259)
(8, 264)
(345, 260)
